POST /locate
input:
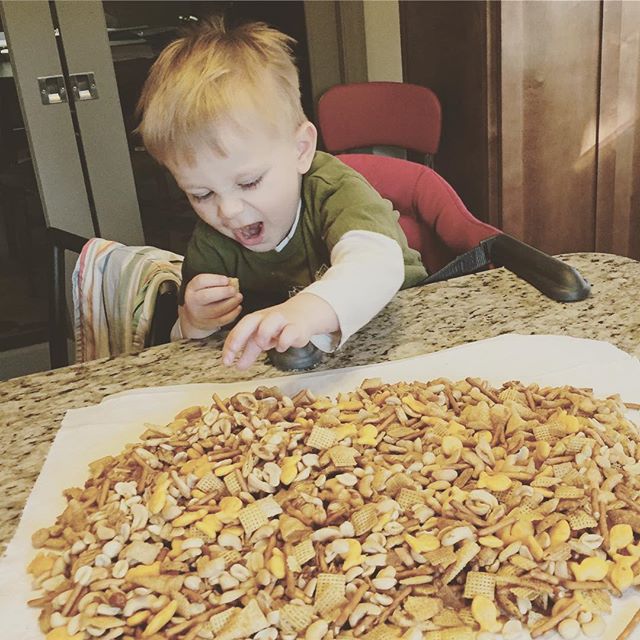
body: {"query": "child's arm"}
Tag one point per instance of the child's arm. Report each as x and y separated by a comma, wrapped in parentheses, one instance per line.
(367, 270)
(290, 324)
(210, 302)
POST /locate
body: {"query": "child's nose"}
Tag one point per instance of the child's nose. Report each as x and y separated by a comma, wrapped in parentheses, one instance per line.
(229, 207)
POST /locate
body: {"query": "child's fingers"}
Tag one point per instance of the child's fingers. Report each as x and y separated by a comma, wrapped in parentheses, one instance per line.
(239, 336)
(204, 280)
(249, 355)
(269, 330)
(229, 317)
(215, 310)
(290, 336)
(214, 294)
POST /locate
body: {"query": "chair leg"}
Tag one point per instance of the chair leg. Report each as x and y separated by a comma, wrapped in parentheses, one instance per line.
(57, 311)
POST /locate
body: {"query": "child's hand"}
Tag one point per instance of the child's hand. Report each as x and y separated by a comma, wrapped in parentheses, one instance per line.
(290, 324)
(210, 302)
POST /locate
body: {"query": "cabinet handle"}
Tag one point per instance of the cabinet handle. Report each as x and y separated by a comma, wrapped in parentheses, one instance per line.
(83, 86)
(52, 89)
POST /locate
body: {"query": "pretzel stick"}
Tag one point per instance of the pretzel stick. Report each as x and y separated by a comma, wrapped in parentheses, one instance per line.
(453, 403)
(218, 400)
(497, 526)
(551, 623)
(576, 585)
(222, 454)
(530, 401)
(396, 601)
(351, 605)
(203, 617)
(192, 635)
(75, 594)
(631, 625)
(478, 384)
(602, 523)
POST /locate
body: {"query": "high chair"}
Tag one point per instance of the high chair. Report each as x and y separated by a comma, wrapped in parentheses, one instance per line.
(371, 114)
(432, 216)
(451, 241)
(129, 300)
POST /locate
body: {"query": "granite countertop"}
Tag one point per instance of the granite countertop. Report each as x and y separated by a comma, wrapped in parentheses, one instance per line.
(417, 321)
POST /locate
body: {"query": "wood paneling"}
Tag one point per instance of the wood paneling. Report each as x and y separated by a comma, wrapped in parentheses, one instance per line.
(618, 183)
(541, 112)
(550, 61)
(444, 47)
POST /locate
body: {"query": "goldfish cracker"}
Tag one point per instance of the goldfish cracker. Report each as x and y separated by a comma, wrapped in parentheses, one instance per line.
(560, 532)
(485, 613)
(209, 525)
(521, 530)
(143, 571)
(620, 536)
(592, 568)
(621, 575)
(347, 430)
(495, 482)
(543, 450)
(571, 424)
(353, 557)
(368, 435)
(289, 469)
(423, 542)
(186, 519)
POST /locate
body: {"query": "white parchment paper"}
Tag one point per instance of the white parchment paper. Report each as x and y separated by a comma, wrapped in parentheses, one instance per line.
(92, 432)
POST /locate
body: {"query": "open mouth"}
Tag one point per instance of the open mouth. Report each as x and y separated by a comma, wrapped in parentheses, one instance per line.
(250, 234)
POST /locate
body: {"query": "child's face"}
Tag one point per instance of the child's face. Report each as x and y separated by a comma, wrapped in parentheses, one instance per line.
(252, 193)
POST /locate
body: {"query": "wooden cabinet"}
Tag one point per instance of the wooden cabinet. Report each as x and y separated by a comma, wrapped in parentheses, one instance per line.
(541, 104)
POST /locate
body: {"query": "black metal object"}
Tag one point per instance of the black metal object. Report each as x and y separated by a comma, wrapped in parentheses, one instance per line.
(296, 358)
(59, 242)
(164, 315)
(556, 279)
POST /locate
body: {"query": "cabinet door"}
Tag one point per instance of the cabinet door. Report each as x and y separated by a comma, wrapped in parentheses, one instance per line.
(618, 198)
(550, 92)
(34, 54)
(84, 171)
(86, 48)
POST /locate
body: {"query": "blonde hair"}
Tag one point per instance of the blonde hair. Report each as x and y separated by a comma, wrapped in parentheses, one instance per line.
(213, 76)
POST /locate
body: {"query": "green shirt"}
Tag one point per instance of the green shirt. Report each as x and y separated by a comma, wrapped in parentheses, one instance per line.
(335, 199)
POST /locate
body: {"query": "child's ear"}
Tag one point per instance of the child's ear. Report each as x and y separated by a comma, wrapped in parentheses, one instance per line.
(306, 140)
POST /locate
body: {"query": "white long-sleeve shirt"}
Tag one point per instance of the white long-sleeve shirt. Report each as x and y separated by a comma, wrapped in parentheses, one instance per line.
(367, 270)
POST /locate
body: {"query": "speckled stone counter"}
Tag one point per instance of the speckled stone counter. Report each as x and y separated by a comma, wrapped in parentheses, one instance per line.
(418, 321)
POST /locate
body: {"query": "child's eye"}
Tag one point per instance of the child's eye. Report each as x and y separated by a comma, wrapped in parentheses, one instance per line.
(251, 185)
(201, 198)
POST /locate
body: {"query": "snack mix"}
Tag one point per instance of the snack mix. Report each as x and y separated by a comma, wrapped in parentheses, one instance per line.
(437, 510)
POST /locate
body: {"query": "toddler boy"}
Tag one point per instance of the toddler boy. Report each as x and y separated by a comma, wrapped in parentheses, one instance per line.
(316, 250)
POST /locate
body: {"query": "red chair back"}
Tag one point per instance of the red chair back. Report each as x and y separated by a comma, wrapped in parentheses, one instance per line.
(367, 114)
(432, 216)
